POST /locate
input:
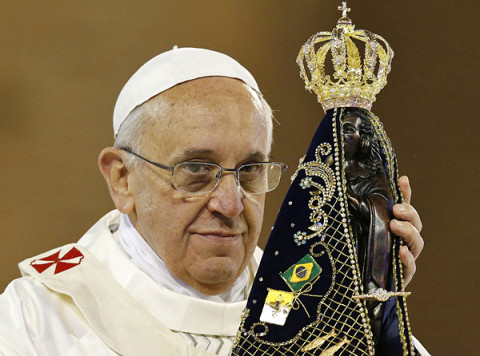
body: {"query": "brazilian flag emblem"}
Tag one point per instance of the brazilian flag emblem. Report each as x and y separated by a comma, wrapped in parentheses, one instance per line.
(301, 273)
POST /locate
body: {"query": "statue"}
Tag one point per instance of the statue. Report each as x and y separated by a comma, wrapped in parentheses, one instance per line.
(331, 280)
(369, 200)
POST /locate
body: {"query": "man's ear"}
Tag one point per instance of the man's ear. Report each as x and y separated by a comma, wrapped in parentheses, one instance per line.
(115, 172)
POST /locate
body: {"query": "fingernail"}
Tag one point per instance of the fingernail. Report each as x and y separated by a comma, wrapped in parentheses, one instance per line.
(397, 224)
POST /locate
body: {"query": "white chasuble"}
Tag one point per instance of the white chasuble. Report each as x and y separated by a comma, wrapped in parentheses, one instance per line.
(89, 298)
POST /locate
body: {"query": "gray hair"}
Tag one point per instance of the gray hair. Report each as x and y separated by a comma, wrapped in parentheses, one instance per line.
(140, 120)
(132, 131)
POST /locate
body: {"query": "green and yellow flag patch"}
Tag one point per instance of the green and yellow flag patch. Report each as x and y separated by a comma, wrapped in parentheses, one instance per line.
(301, 273)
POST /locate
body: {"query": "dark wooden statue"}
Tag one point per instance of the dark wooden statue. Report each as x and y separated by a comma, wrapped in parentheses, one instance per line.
(370, 201)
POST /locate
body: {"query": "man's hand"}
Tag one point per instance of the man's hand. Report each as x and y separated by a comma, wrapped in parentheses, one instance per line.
(407, 225)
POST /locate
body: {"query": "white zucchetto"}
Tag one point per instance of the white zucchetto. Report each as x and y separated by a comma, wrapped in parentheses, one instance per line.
(171, 68)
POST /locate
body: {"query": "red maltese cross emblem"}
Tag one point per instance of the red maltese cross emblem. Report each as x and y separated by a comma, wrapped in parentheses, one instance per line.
(69, 260)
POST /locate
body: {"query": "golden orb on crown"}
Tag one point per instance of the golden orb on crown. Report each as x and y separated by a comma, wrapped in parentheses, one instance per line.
(354, 81)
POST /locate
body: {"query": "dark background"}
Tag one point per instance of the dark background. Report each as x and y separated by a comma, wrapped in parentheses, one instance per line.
(63, 64)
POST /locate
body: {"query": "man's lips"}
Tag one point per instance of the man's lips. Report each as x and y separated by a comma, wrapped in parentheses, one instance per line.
(222, 236)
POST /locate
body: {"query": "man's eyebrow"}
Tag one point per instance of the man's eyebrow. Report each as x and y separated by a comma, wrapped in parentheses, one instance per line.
(190, 154)
(210, 155)
(256, 156)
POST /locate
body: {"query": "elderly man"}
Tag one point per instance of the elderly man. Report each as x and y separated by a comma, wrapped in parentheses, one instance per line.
(168, 272)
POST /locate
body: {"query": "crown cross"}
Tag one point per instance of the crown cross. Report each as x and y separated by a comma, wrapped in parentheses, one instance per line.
(344, 9)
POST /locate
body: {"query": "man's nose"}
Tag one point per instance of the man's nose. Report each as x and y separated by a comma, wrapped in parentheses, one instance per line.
(227, 196)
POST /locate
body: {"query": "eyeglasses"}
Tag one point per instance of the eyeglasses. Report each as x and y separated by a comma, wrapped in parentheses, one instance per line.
(202, 177)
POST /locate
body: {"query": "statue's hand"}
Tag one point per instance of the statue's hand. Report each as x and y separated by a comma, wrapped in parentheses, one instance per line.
(357, 206)
(352, 198)
(407, 225)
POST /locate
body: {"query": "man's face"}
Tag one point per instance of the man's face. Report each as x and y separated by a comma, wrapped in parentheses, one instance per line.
(351, 136)
(206, 240)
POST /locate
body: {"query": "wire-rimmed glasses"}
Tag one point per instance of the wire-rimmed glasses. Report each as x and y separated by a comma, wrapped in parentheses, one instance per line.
(202, 177)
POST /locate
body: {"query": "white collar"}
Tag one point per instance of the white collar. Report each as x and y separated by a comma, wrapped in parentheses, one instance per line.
(142, 255)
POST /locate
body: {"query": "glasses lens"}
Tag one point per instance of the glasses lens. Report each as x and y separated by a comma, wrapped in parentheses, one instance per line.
(201, 177)
(259, 177)
(195, 177)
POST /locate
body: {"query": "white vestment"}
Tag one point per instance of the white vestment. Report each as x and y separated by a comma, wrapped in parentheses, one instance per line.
(90, 299)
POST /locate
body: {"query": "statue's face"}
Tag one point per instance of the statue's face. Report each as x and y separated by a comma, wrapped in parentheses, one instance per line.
(351, 136)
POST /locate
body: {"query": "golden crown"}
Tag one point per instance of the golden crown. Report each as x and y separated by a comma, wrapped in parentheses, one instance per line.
(351, 84)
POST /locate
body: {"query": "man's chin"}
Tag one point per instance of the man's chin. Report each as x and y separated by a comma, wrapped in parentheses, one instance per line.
(216, 275)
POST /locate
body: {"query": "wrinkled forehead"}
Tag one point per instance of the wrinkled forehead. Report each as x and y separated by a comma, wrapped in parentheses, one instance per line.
(172, 68)
(210, 103)
(210, 91)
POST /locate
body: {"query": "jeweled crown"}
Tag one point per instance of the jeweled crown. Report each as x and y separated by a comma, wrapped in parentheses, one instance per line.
(352, 84)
